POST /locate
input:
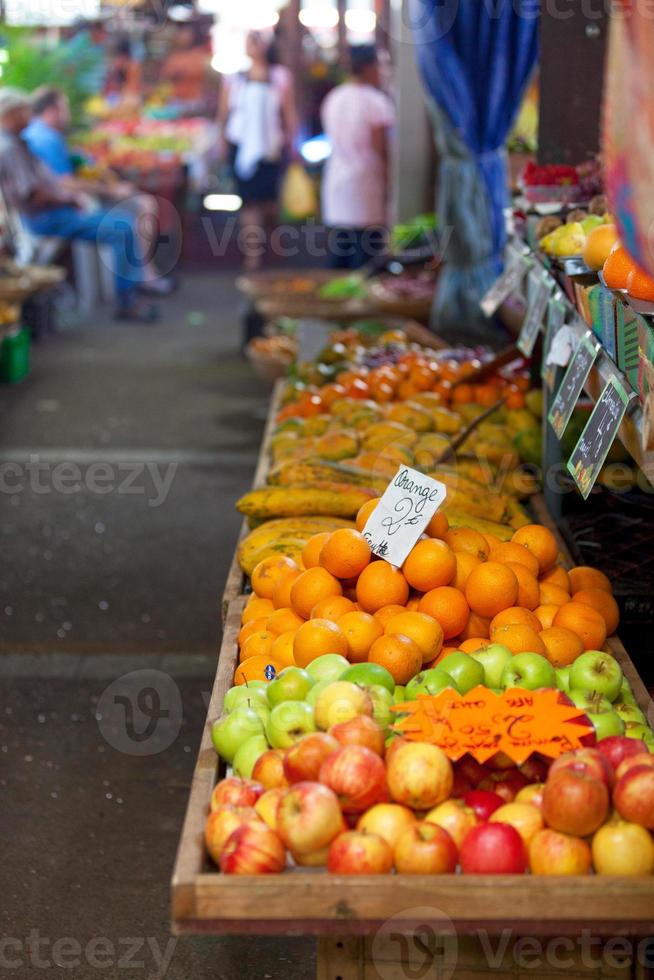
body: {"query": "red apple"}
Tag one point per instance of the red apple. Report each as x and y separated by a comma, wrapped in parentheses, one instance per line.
(525, 817)
(362, 730)
(483, 802)
(393, 745)
(455, 817)
(499, 761)
(389, 820)
(633, 796)
(460, 785)
(221, 823)
(419, 775)
(531, 794)
(470, 769)
(253, 849)
(269, 769)
(574, 802)
(493, 849)
(238, 792)
(358, 853)
(425, 849)
(535, 769)
(267, 804)
(642, 759)
(621, 848)
(308, 817)
(506, 783)
(316, 859)
(358, 777)
(619, 747)
(302, 761)
(553, 853)
(591, 762)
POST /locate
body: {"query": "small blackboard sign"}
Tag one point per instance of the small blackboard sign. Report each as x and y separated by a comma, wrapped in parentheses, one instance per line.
(573, 381)
(556, 311)
(597, 438)
(505, 285)
(540, 288)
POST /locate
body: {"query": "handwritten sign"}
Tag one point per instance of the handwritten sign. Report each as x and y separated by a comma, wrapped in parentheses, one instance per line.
(556, 312)
(405, 509)
(505, 285)
(540, 288)
(516, 722)
(599, 432)
(573, 381)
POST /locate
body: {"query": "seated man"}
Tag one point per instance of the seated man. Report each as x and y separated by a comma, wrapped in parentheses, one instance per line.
(45, 137)
(49, 208)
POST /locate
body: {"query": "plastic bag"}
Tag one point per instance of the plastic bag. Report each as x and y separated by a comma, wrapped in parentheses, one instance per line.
(299, 198)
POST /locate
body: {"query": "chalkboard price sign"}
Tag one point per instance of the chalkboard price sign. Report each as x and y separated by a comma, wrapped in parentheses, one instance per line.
(555, 319)
(599, 432)
(507, 284)
(540, 287)
(573, 381)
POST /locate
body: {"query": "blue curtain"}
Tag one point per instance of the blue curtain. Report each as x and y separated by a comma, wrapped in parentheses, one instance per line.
(475, 57)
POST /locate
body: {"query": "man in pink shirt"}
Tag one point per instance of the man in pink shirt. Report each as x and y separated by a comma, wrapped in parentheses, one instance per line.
(358, 119)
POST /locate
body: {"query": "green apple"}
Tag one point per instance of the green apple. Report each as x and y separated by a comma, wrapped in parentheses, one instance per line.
(596, 671)
(643, 732)
(493, 659)
(232, 730)
(382, 699)
(563, 678)
(329, 667)
(626, 695)
(600, 713)
(629, 712)
(248, 754)
(463, 669)
(341, 701)
(399, 694)
(530, 671)
(288, 722)
(316, 690)
(431, 681)
(291, 684)
(245, 694)
(369, 674)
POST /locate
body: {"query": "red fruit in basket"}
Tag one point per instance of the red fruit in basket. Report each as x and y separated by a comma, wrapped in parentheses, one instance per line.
(308, 817)
(574, 802)
(641, 759)
(505, 783)
(303, 760)
(553, 853)
(239, 792)
(472, 770)
(591, 762)
(419, 775)
(483, 802)
(358, 777)
(535, 769)
(359, 853)
(269, 769)
(425, 849)
(633, 796)
(222, 823)
(493, 849)
(361, 730)
(618, 747)
(460, 785)
(253, 849)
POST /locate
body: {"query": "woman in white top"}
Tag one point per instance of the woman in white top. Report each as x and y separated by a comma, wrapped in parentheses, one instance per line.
(257, 120)
(358, 119)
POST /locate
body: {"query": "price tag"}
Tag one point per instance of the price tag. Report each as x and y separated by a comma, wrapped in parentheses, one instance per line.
(599, 432)
(540, 288)
(555, 320)
(516, 722)
(507, 283)
(405, 509)
(573, 381)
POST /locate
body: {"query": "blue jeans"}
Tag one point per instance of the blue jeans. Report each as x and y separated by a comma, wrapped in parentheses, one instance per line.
(104, 227)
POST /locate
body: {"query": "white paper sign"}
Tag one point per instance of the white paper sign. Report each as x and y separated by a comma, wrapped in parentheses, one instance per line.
(405, 509)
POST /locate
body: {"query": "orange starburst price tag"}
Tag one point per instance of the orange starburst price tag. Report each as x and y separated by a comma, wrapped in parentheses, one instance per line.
(516, 722)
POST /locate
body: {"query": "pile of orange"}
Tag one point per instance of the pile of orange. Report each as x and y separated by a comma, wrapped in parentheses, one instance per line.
(457, 590)
(621, 271)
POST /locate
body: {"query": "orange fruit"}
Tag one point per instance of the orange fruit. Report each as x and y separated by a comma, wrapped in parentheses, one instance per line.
(562, 645)
(346, 553)
(514, 616)
(310, 587)
(253, 626)
(464, 565)
(492, 541)
(386, 613)
(430, 563)
(333, 607)
(438, 525)
(552, 595)
(585, 621)
(491, 587)
(540, 542)
(365, 511)
(617, 267)
(425, 632)
(312, 549)
(546, 615)
(519, 639)
(599, 243)
(283, 620)
(465, 539)
(528, 587)
(381, 585)
(257, 608)
(449, 607)
(268, 573)
(585, 577)
(259, 644)
(509, 551)
(558, 576)
(640, 285)
(474, 643)
(316, 637)
(605, 605)
(360, 629)
(399, 655)
(257, 669)
(281, 597)
(476, 626)
(282, 648)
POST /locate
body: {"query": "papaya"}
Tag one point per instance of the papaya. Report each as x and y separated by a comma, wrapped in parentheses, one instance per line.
(334, 499)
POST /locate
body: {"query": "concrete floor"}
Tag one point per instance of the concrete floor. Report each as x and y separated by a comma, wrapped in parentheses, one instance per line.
(93, 587)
